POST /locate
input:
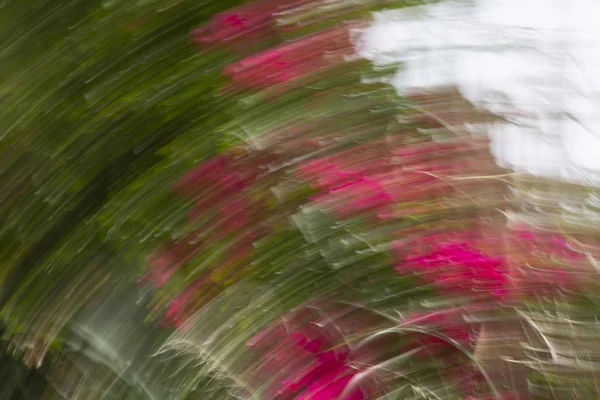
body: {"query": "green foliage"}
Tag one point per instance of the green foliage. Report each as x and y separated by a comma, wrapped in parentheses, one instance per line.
(105, 104)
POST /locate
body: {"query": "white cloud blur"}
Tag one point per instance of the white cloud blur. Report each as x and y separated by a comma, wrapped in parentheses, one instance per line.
(537, 57)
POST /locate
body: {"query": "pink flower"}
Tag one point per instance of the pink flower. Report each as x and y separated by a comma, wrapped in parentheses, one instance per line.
(355, 197)
(234, 19)
(237, 27)
(244, 26)
(319, 373)
(164, 263)
(330, 386)
(348, 182)
(175, 312)
(361, 195)
(326, 173)
(162, 267)
(346, 167)
(231, 216)
(265, 69)
(290, 61)
(479, 236)
(209, 172)
(218, 182)
(459, 267)
(312, 345)
(182, 307)
(324, 373)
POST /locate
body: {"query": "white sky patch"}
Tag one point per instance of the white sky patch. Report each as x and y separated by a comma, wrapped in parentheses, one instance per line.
(535, 61)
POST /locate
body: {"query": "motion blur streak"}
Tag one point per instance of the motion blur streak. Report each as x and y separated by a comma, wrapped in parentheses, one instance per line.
(297, 199)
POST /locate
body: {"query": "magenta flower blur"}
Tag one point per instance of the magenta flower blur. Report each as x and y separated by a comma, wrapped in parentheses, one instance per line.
(164, 263)
(236, 27)
(324, 374)
(361, 195)
(461, 268)
(234, 19)
(175, 311)
(348, 184)
(289, 61)
(221, 183)
(326, 173)
(220, 173)
(183, 306)
(162, 268)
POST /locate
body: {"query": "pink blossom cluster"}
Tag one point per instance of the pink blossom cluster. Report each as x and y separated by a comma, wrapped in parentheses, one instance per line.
(350, 183)
(181, 307)
(247, 28)
(219, 188)
(221, 185)
(312, 365)
(460, 268)
(382, 179)
(479, 234)
(217, 177)
(243, 24)
(240, 28)
(164, 263)
(532, 263)
(291, 60)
